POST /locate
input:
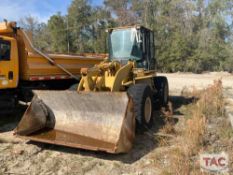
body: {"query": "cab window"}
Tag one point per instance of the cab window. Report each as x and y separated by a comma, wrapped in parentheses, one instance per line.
(5, 50)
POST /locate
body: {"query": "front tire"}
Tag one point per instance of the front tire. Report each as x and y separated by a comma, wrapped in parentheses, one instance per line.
(162, 95)
(142, 97)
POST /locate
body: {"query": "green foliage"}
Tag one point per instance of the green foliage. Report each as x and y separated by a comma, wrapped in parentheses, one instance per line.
(42, 38)
(58, 35)
(79, 17)
(190, 35)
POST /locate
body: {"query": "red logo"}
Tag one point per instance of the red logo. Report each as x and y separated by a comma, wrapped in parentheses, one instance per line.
(214, 162)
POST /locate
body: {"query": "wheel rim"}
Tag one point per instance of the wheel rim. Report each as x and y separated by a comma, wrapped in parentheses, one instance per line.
(148, 109)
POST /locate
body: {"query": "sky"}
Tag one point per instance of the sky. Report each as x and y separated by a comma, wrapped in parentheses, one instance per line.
(13, 10)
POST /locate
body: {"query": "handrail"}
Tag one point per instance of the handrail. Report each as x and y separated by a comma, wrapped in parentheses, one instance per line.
(47, 57)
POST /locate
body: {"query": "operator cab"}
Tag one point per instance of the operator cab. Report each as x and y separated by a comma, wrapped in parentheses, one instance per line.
(132, 43)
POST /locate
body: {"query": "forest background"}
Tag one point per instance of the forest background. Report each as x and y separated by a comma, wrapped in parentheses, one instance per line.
(190, 35)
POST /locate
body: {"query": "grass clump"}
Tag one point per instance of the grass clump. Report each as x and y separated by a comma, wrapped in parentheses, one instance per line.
(209, 105)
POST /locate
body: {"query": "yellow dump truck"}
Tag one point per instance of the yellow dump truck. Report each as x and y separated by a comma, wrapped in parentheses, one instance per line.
(23, 67)
(112, 98)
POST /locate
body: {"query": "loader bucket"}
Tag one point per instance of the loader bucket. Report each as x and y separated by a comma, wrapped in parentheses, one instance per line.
(99, 121)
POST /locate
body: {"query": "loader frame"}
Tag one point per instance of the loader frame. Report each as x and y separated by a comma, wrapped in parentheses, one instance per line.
(112, 99)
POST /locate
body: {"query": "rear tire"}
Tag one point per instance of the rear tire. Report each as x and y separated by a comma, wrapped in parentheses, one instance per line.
(162, 95)
(142, 97)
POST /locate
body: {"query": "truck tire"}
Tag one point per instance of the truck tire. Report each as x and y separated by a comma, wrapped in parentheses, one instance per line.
(8, 102)
(142, 97)
(161, 98)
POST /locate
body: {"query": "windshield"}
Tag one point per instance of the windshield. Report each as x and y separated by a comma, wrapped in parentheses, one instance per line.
(124, 45)
(5, 49)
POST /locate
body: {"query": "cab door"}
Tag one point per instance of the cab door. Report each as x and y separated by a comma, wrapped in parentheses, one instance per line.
(9, 69)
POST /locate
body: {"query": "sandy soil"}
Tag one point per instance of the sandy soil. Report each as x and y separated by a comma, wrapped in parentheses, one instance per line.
(183, 81)
(19, 156)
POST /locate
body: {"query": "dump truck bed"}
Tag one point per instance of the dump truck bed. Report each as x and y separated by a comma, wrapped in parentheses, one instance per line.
(34, 67)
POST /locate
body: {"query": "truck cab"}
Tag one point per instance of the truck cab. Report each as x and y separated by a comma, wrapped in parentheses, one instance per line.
(9, 69)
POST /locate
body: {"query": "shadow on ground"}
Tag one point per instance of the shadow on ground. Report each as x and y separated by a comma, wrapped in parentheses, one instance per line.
(179, 101)
(10, 119)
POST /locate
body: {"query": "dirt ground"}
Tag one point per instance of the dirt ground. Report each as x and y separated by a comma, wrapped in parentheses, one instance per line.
(18, 156)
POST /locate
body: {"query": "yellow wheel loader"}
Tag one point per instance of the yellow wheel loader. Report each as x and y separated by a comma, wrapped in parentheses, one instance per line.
(111, 100)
